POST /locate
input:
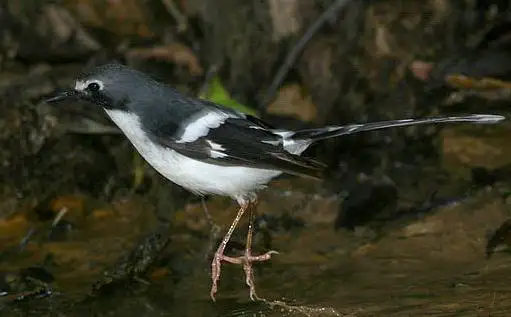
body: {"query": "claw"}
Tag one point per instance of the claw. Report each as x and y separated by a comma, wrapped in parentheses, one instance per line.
(246, 260)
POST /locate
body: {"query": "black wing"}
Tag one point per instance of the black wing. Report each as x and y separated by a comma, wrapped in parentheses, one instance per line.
(242, 142)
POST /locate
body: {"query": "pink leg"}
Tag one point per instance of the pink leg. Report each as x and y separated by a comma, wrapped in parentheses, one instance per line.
(246, 260)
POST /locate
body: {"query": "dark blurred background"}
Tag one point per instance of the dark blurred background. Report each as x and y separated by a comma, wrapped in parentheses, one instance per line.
(76, 200)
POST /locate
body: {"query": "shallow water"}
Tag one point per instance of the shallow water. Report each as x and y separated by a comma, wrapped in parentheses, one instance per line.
(433, 266)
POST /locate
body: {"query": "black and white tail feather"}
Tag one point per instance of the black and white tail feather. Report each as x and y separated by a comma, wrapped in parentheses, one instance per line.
(335, 131)
(298, 141)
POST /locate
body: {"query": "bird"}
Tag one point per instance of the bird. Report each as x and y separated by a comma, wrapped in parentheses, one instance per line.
(210, 149)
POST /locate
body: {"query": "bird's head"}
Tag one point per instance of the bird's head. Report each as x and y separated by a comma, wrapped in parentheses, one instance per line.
(111, 86)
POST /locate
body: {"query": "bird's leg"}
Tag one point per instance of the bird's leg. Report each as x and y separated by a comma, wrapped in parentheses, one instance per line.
(246, 260)
(219, 254)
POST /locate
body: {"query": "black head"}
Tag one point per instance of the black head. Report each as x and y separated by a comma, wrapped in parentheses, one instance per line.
(111, 86)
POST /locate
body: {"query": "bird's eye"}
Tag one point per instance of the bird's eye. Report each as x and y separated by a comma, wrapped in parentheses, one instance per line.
(93, 87)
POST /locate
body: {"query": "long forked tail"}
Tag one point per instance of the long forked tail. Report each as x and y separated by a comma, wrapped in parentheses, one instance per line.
(334, 131)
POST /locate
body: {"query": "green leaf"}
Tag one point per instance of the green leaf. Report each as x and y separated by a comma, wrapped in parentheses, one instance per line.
(217, 93)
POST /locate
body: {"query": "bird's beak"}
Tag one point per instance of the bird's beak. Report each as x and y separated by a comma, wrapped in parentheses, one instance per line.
(64, 94)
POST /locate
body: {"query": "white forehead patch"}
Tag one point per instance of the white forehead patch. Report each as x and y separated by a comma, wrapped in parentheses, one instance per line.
(82, 84)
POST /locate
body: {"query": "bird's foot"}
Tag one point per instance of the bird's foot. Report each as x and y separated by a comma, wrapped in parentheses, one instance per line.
(246, 260)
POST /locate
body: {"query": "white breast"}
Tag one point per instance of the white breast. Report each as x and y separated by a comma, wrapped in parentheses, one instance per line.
(194, 175)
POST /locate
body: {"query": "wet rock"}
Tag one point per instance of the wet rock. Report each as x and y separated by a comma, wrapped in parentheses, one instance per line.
(28, 284)
(137, 262)
(463, 149)
(423, 227)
